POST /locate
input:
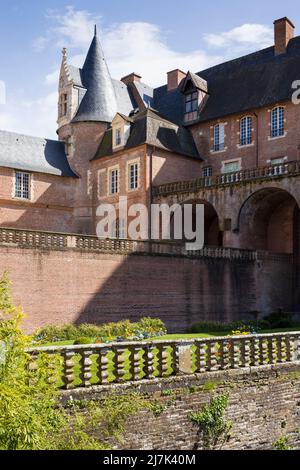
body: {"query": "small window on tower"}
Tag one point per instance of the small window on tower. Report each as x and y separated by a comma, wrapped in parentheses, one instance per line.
(64, 104)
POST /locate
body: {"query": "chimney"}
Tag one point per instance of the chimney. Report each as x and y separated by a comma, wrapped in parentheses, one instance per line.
(175, 77)
(284, 32)
(131, 78)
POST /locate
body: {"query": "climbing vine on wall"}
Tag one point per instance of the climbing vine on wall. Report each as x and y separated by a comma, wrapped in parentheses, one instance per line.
(214, 429)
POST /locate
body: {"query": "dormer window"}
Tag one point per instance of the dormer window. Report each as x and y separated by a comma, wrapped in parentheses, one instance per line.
(191, 105)
(120, 131)
(195, 92)
(118, 137)
(191, 102)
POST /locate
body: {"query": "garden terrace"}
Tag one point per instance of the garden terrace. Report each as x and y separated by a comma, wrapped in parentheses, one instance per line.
(84, 366)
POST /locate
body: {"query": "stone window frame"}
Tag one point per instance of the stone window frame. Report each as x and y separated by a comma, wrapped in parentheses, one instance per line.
(272, 137)
(222, 148)
(110, 171)
(63, 104)
(28, 198)
(248, 131)
(130, 163)
(207, 171)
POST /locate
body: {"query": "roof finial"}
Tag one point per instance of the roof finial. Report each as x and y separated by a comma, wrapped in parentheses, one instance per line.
(65, 53)
(95, 30)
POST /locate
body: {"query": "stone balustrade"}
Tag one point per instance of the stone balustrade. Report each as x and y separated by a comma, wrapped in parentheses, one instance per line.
(257, 174)
(63, 241)
(84, 366)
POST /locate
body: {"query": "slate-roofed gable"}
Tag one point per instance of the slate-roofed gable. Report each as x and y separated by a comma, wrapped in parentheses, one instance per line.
(148, 127)
(27, 153)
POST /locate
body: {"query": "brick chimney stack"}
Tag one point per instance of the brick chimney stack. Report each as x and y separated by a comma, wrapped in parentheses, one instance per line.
(175, 77)
(284, 32)
(131, 78)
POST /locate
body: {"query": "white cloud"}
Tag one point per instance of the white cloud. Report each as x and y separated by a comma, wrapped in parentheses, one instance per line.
(129, 47)
(242, 38)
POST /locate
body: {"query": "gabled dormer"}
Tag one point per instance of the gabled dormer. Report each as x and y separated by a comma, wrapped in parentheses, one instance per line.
(121, 126)
(195, 91)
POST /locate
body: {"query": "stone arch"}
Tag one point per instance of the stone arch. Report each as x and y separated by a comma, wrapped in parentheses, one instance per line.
(269, 220)
(213, 236)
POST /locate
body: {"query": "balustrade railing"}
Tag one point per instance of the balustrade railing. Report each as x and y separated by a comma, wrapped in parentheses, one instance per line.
(64, 241)
(84, 366)
(263, 173)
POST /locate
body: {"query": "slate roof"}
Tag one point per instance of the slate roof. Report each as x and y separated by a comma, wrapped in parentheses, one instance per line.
(253, 81)
(150, 128)
(99, 102)
(27, 153)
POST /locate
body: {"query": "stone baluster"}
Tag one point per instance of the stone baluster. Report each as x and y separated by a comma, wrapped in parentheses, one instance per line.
(163, 358)
(102, 365)
(135, 362)
(263, 351)
(86, 364)
(68, 368)
(211, 356)
(272, 349)
(33, 366)
(246, 352)
(224, 354)
(148, 362)
(119, 362)
(281, 345)
(201, 356)
(53, 364)
(235, 346)
(290, 348)
(255, 352)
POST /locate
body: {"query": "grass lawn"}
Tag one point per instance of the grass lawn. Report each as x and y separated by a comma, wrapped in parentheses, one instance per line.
(180, 336)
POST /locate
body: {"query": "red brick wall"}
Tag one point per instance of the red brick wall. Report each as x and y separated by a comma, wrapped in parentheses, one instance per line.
(267, 149)
(72, 286)
(49, 209)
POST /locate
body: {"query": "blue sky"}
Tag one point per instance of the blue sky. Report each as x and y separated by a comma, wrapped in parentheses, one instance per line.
(149, 38)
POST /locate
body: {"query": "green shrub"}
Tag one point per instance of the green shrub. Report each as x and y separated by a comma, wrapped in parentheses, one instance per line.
(31, 417)
(83, 340)
(153, 326)
(213, 427)
(282, 444)
(145, 328)
(216, 326)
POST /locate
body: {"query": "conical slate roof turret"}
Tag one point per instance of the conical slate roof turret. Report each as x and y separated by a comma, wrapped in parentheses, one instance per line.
(99, 102)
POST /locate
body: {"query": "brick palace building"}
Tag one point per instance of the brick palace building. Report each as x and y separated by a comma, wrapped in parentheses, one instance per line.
(227, 137)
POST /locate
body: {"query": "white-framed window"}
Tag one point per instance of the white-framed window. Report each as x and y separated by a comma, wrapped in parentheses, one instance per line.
(246, 130)
(22, 185)
(133, 176)
(232, 167)
(118, 137)
(207, 171)
(219, 137)
(277, 122)
(114, 181)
